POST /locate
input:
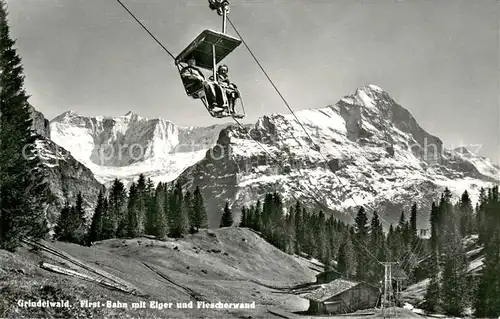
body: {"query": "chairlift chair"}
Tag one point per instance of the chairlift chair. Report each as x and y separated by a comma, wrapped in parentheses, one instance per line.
(209, 48)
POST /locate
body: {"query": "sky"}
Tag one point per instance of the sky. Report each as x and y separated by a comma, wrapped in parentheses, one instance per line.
(439, 59)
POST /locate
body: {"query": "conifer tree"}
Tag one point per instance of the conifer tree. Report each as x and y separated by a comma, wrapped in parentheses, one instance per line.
(177, 220)
(377, 244)
(433, 295)
(413, 221)
(250, 216)
(434, 221)
(151, 214)
(65, 227)
(244, 217)
(118, 207)
(132, 228)
(454, 279)
(480, 216)
(299, 228)
(79, 210)
(109, 225)
(188, 209)
(446, 219)
(257, 217)
(199, 219)
(487, 296)
(320, 237)
(227, 217)
(466, 212)
(70, 226)
(361, 235)
(347, 263)
(23, 191)
(156, 218)
(454, 274)
(95, 230)
(141, 202)
(80, 220)
(290, 232)
(392, 244)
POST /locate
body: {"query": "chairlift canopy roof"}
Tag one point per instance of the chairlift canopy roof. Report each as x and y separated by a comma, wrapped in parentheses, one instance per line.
(201, 48)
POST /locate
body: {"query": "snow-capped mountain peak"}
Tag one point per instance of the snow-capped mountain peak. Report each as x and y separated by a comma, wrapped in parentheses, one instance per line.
(365, 150)
(127, 145)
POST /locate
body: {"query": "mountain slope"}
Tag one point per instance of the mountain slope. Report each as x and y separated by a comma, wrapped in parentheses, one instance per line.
(126, 146)
(65, 175)
(227, 265)
(375, 154)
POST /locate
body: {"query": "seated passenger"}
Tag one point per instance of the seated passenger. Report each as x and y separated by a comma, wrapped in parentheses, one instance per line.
(230, 88)
(195, 83)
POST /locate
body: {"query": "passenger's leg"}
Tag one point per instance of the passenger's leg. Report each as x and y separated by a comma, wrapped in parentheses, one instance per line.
(209, 93)
(219, 93)
(230, 99)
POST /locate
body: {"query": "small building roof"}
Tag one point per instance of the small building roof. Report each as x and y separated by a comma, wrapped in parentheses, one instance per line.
(331, 271)
(331, 289)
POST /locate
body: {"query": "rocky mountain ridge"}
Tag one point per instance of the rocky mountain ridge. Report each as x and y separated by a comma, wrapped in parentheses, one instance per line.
(366, 149)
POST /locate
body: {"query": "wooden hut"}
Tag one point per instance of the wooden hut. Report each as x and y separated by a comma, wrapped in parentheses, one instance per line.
(342, 296)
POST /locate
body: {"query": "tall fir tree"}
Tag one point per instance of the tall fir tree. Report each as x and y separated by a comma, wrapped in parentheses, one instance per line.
(413, 221)
(132, 228)
(299, 228)
(95, 230)
(433, 295)
(118, 207)
(434, 221)
(347, 263)
(454, 274)
(70, 226)
(454, 279)
(321, 238)
(377, 244)
(466, 215)
(66, 225)
(290, 232)
(156, 223)
(487, 296)
(188, 209)
(152, 215)
(109, 225)
(244, 217)
(257, 217)
(446, 219)
(361, 235)
(141, 202)
(199, 218)
(227, 217)
(480, 216)
(177, 220)
(23, 189)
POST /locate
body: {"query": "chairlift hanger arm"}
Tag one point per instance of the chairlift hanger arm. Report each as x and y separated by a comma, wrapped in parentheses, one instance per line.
(222, 7)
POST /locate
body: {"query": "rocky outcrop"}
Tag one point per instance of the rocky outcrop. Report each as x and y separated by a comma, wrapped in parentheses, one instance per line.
(66, 178)
(65, 175)
(40, 124)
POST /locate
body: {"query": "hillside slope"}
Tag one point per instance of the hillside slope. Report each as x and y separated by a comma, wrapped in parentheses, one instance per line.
(227, 265)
